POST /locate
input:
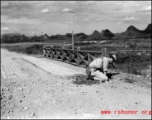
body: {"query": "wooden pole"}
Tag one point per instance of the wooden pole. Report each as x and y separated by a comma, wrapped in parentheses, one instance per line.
(105, 51)
(72, 33)
(63, 47)
(78, 48)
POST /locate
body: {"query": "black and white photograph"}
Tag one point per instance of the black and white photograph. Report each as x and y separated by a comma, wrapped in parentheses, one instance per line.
(76, 59)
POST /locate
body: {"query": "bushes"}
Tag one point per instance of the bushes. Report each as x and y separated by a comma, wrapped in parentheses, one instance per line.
(133, 68)
(19, 49)
(132, 45)
(132, 62)
(132, 57)
(34, 49)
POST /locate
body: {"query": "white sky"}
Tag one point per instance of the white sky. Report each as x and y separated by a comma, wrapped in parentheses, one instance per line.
(52, 17)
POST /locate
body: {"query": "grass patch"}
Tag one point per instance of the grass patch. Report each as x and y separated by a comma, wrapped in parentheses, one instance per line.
(130, 80)
(133, 63)
(132, 57)
(34, 49)
(18, 49)
(82, 80)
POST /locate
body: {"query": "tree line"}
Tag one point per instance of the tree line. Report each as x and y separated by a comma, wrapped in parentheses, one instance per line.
(6, 38)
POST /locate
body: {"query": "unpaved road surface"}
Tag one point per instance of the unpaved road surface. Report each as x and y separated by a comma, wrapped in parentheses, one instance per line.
(36, 87)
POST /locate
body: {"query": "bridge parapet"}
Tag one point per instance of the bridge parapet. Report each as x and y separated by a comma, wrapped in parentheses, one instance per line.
(77, 57)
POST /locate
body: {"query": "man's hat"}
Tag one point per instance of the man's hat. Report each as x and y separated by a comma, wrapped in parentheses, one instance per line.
(113, 56)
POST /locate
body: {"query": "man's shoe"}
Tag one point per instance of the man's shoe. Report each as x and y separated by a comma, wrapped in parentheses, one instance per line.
(89, 78)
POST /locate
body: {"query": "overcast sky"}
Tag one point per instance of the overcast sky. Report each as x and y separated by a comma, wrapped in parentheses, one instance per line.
(53, 17)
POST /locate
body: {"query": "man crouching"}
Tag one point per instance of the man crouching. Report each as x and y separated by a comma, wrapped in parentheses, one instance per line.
(97, 69)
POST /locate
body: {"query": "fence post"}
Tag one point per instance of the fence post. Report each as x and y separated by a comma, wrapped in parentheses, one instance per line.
(52, 46)
(78, 60)
(63, 47)
(78, 48)
(104, 52)
(44, 52)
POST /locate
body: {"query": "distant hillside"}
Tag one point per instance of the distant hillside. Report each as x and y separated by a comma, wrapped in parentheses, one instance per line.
(133, 32)
(106, 34)
(147, 30)
(132, 28)
(94, 36)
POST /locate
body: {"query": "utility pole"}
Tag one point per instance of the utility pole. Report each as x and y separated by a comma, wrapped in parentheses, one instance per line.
(42, 41)
(72, 30)
(72, 33)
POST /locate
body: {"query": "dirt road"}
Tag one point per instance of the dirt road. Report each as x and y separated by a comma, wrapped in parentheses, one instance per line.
(35, 87)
